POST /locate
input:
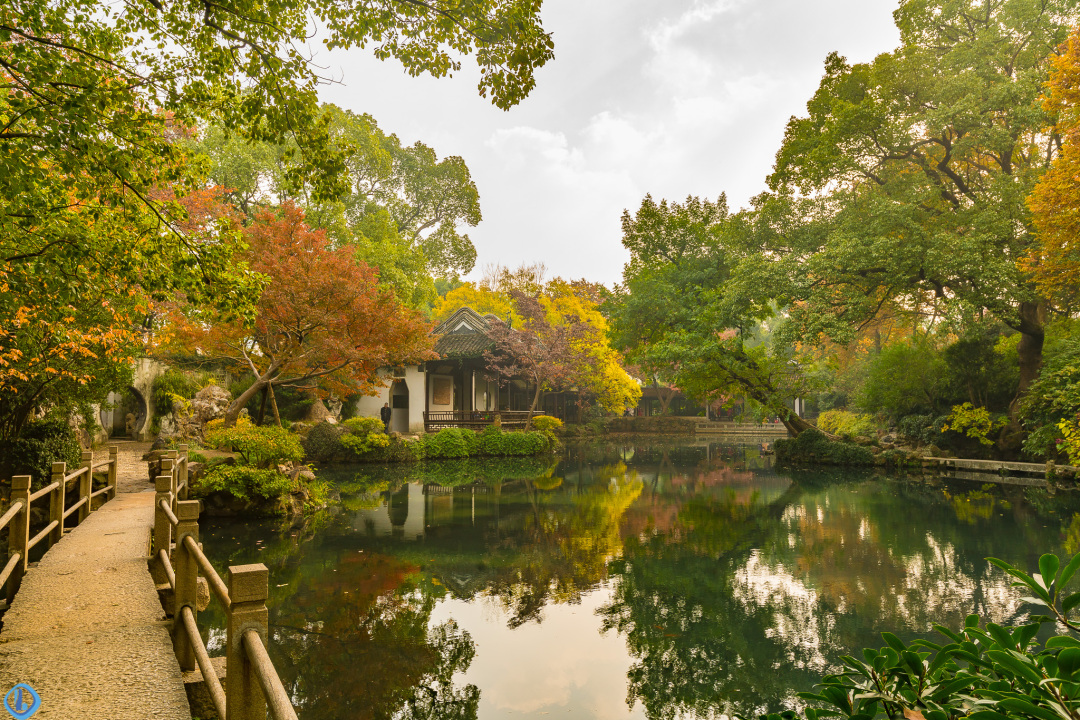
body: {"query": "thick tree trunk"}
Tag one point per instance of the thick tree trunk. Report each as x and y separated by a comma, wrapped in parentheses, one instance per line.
(262, 405)
(1029, 350)
(233, 413)
(794, 423)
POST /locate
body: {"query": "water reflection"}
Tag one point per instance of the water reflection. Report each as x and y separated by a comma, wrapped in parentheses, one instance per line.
(656, 580)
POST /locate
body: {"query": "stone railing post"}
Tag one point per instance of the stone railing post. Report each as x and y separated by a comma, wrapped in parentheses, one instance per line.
(167, 469)
(182, 472)
(113, 468)
(56, 503)
(86, 483)
(248, 588)
(187, 579)
(162, 526)
(19, 532)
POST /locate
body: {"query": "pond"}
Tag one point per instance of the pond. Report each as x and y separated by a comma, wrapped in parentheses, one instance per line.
(625, 579)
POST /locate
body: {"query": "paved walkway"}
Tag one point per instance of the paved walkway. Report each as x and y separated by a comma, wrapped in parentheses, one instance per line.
(86, 630)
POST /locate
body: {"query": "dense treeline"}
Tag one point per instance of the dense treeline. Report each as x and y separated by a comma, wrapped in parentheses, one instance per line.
(912, 255)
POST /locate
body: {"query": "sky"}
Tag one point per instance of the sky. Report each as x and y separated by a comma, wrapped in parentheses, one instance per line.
(670, 98)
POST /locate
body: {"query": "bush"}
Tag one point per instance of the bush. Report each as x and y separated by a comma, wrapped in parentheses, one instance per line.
(493, 441)
(546, 424)
(258, 446)
(974, 422)
(448, 443)
(811, 446)
(39, 445)
(244, 483)
(846, 424)
(917, 429)
(903, 379)
(363, 434)
(323, 442)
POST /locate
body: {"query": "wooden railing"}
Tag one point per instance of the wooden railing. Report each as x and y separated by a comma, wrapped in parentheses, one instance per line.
(17, 517)
(252, 685)
(476, 419)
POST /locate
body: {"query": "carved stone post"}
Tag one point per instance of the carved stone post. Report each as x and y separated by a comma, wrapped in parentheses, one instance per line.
(86, 483)
(248, 588)
(56, 503)
(113, 467)
(162, 526)
(19, 529)
(182, 472)
(167, 469)
(187, 579)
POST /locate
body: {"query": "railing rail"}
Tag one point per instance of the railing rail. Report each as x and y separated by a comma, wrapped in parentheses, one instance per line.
(252, 685)
(17, 516)
(476, 419)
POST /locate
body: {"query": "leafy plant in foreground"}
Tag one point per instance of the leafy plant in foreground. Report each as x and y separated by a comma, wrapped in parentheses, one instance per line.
(983, 673)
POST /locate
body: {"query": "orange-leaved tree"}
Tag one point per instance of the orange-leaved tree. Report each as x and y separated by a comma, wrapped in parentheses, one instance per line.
(323, 318)
(1055, 201)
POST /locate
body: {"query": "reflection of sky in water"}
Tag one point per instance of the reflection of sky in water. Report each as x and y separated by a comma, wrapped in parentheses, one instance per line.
(727, 585)
(562, 667)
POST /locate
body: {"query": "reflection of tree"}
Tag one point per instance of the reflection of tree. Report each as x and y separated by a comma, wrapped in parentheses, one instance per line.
(698, 650)
(356, 643)
(564, 548)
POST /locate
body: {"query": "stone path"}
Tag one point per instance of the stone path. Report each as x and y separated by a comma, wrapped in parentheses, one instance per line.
(86, 630)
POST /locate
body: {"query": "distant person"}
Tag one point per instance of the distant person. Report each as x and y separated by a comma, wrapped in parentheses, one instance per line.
(385, 414)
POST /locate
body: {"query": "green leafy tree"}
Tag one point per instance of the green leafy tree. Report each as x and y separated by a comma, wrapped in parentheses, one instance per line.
(907, 179)
(683, 317)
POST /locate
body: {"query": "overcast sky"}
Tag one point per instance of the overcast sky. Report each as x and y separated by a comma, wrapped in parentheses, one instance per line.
(668, 97)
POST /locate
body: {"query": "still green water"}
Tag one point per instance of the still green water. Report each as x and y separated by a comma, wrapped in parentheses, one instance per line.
(623, 580)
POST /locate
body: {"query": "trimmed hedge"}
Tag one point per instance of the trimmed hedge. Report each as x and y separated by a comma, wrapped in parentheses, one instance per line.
(811, 446)
(244, 482)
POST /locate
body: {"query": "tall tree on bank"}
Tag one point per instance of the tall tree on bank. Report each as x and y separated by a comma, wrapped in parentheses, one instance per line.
(1054, 263)
(322, 318)
(908, 177)
(683, 317)
(91, 95)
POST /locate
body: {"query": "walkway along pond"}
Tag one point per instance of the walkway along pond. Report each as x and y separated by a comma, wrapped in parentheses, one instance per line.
(628, 579)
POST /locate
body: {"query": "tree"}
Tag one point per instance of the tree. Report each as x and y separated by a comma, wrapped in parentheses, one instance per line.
(1054, 203)
(906, 180)
(547, 353)
(323, 318)
(685, 319)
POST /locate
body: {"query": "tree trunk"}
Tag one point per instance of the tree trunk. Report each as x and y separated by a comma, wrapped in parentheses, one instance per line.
(233, 413)
(262, 405)
(794, 423)
(1029, 350)
(536, 399)
(273, 404)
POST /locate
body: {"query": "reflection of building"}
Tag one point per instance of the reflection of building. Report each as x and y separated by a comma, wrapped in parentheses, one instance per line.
(415, 509)
(453, 391)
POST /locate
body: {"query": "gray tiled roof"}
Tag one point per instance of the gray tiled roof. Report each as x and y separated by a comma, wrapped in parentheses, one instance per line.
(467, 338)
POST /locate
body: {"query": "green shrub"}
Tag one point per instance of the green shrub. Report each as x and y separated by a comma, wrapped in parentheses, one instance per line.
(323, 442)
(448, 443)
(917, 429)
(176, 384)
(974, 422)
(39, 445)
(258, 446)
(364, 434)
(811, 446)
(546, 424)
(830, 421)
(244, 482)
(493, 441)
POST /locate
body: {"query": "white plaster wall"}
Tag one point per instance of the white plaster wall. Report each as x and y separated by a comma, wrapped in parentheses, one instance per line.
(431, 393)
(370, 405)
(147, 370)
(416, 381)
